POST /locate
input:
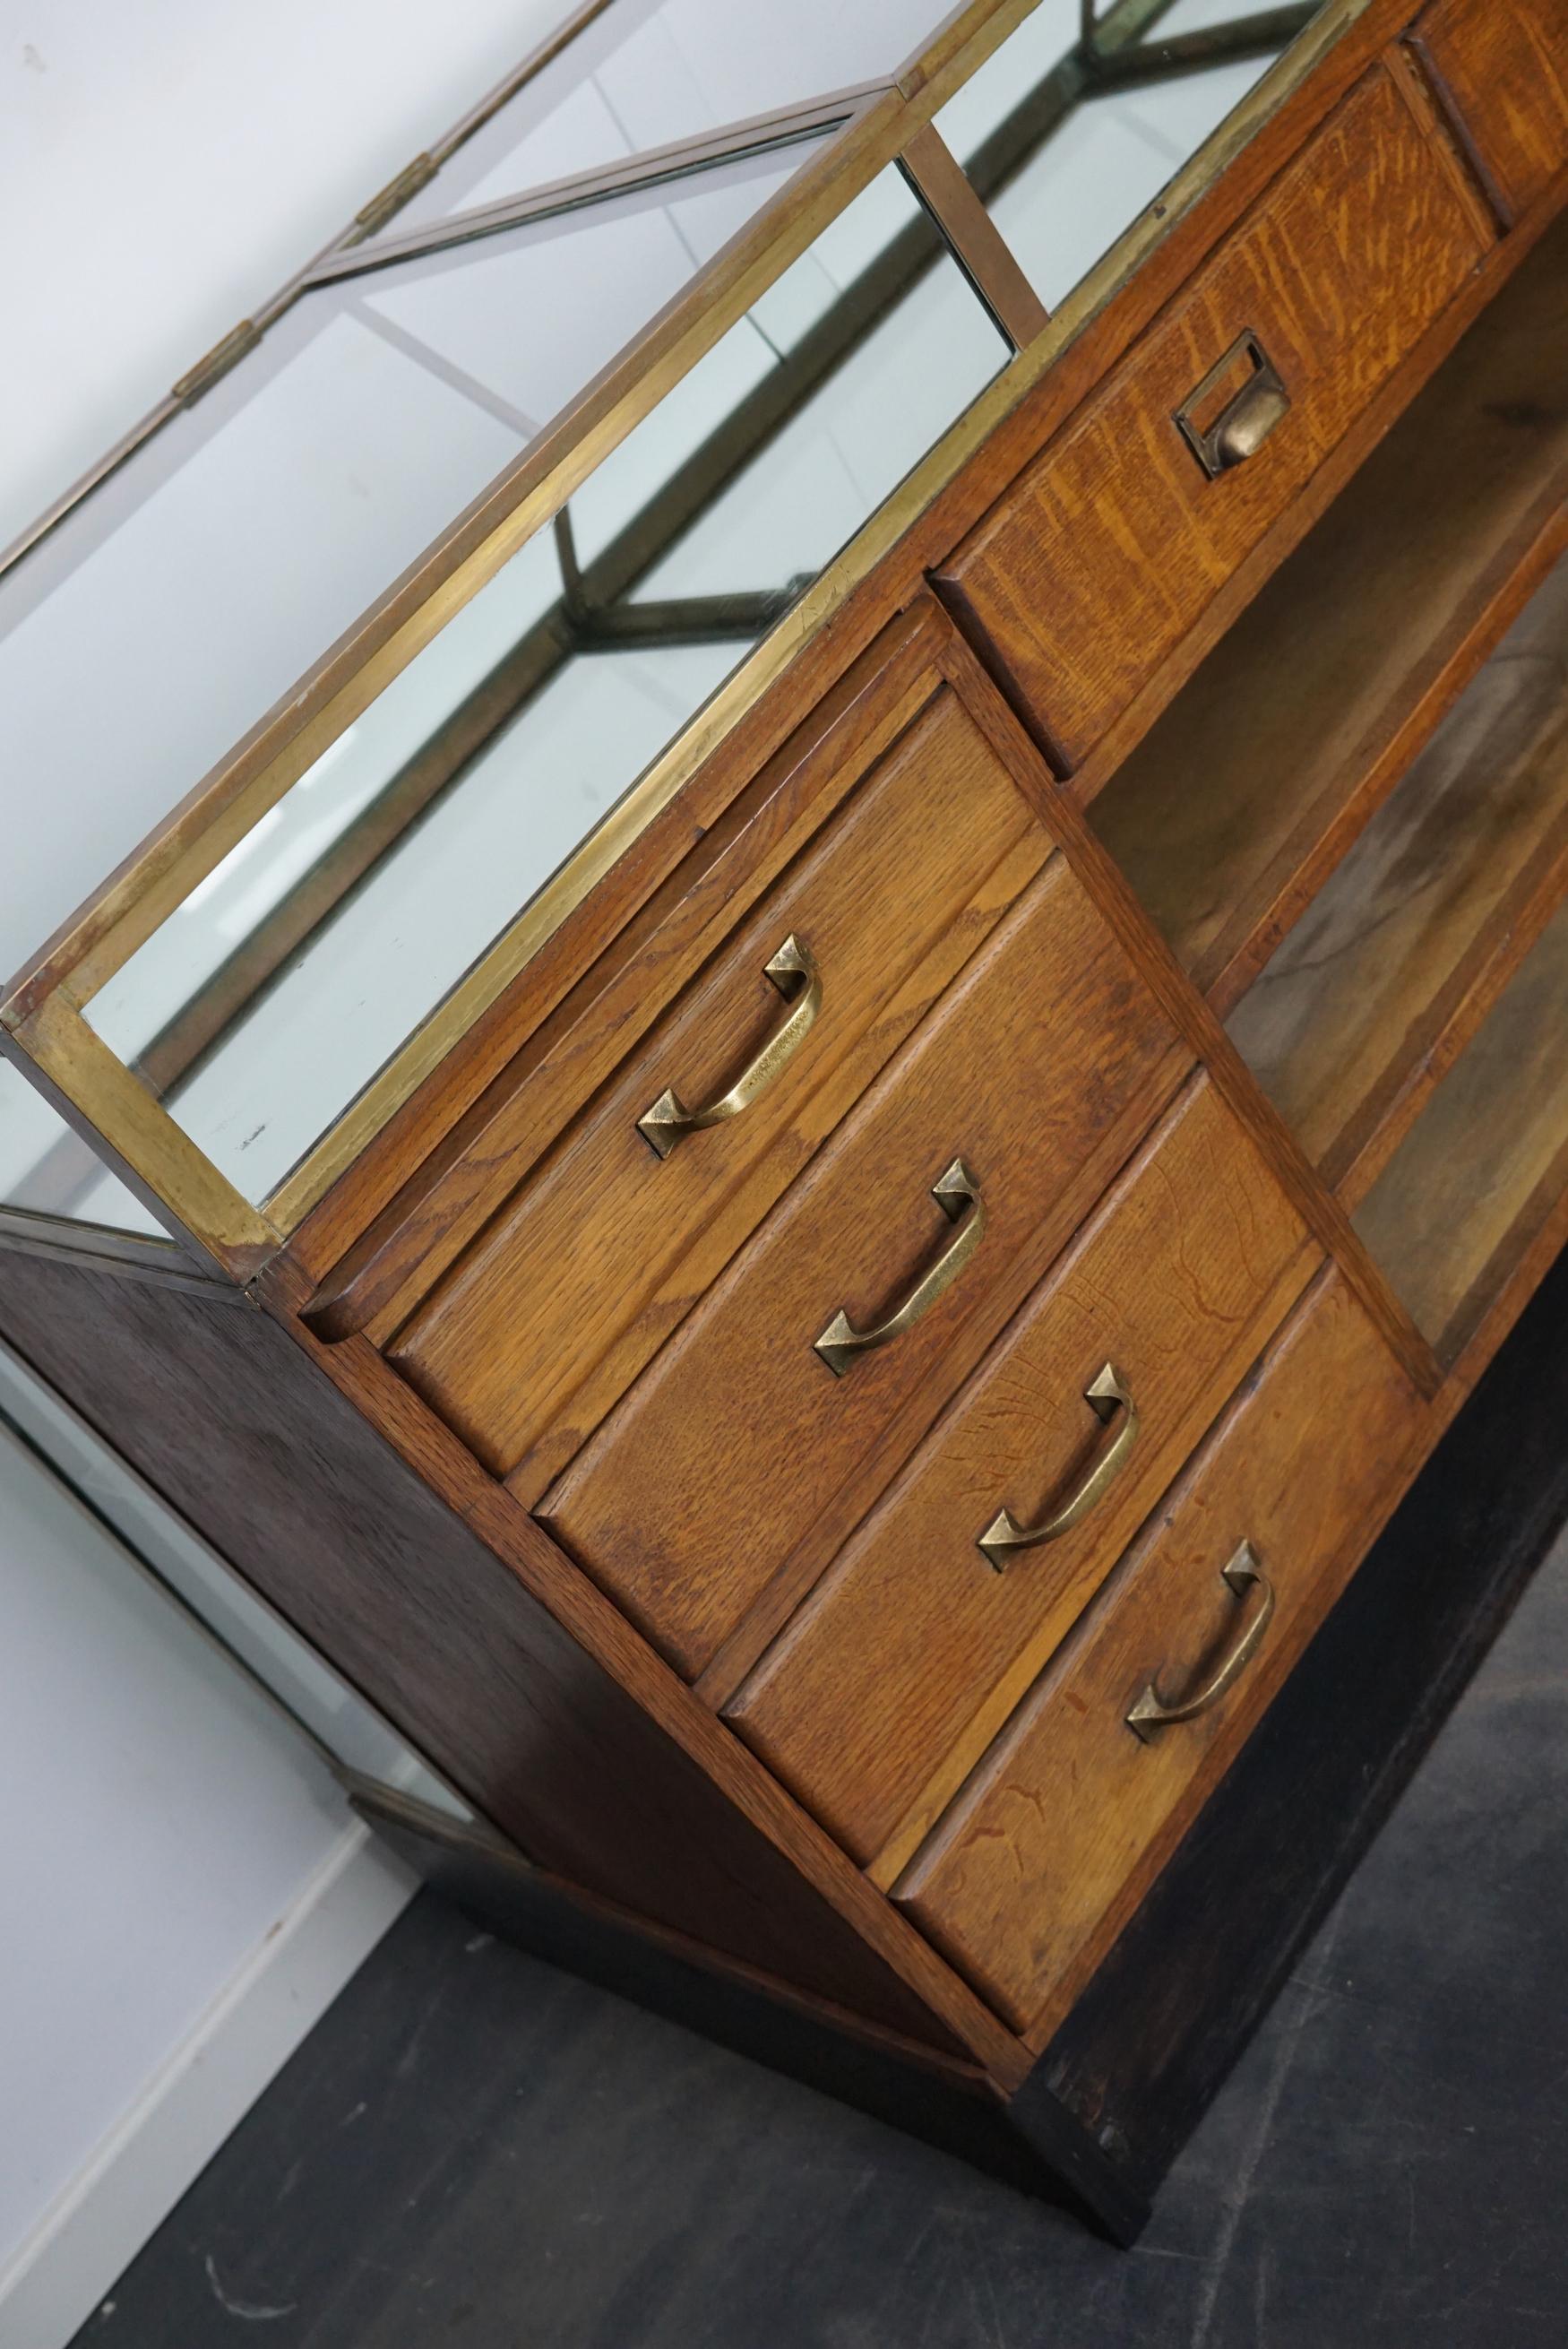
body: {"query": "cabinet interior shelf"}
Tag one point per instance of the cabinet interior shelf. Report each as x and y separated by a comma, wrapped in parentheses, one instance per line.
(1483, 1172)
(1235, 809)
(1399, 960)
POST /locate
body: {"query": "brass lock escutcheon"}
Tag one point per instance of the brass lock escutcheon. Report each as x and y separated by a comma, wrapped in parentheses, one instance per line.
(1245, 421)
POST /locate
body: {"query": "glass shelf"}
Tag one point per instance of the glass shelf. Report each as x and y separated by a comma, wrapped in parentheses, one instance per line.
(188, 596)
(388, 633)
(370, 889)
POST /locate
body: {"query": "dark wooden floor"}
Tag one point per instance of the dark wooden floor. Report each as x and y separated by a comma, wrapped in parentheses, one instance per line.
(472, 2149)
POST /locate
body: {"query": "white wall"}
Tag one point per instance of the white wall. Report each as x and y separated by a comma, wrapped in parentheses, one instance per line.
(183, 1887)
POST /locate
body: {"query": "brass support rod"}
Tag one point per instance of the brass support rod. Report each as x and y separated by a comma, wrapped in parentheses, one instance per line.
(972, 238)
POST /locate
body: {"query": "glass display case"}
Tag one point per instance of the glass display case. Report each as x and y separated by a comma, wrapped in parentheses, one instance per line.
(416, 600)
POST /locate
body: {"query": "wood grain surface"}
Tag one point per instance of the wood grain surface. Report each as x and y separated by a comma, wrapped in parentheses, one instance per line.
(1486, 1163)
(894, 1678)
(1232, 810)
(1108, 548)
(1050, 1849)
(1500, 69)
(571, 1292)
(700, 1483)
(1340, 1024)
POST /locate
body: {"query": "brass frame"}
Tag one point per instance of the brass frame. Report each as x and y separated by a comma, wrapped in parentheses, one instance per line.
(880, 125)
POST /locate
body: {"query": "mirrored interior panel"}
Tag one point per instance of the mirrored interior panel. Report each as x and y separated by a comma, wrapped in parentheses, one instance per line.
(647, 73)
(194, 1579)
(193, 590)
(1069, 136)
(46, 1169)
(277, 991)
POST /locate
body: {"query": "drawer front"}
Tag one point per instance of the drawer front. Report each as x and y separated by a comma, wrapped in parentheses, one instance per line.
(1500, 69)
(549, 1316)
(887, 1689)
(1044, 1858)
(1104, 554)
(1036, 1071)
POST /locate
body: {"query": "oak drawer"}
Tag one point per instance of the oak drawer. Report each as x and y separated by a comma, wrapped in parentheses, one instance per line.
(1500, 69)
(890, 1684)
(1044, 1857)
(1098, 560)
(561, 1299)
(1036, 1071)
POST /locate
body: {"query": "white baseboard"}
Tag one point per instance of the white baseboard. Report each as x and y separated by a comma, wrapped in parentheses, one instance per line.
(95, 2226)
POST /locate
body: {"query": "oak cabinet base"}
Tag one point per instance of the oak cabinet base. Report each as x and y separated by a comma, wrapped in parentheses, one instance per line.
(1116, 2093)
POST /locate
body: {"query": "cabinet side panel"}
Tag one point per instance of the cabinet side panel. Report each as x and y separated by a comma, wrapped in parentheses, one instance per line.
(227, 1418)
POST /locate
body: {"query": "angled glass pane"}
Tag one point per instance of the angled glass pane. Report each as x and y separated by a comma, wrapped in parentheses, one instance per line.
(170, 611)
(1066, 162)
(197, 1579)
(274, 995)
(647, 73)
(46, 1169)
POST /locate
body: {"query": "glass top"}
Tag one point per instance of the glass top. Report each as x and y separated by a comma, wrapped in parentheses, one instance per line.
(648, 73)
(352, 909)
(189, 594)
(46, 1169)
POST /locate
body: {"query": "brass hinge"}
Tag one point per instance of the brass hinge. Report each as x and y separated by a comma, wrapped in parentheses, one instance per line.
(218, 361)
(396, 194)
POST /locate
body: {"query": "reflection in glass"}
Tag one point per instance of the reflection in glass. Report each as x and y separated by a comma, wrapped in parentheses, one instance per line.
(274, 996)
(189, 594)
(46, 1169)
(646, 73)
(1067, 153)
(199, 1582)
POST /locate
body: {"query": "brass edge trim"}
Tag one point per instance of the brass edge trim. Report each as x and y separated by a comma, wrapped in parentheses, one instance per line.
(316, 1174)
(653, 167)
(128, 910)
(139, 1141)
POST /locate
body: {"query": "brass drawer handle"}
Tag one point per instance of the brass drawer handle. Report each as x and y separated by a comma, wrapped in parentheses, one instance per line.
(794, 972)
(1106, 1397)
(1246, 421)
(1256, 1592)
(957, 1194)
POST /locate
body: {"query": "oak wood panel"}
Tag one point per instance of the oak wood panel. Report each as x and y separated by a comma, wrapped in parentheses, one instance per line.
(1050, 1850)
(1501, 72)
(1233, 808)
(1194, 1020)
(1426, 909)
(700, 1485)
(1110, 545)
(892, 1681)
(361, 1374)
(227, 1418)
(570, 1292)
(733, 849)
(1007, 427)
(1485, 1165)
(1156, 2033)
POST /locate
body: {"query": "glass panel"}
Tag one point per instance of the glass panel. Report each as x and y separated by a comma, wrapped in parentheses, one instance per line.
(1351, 1004)
(46, 1169)
(649, 72)
(184, 599)
(1065, 172)
(1485, 1167)
(276, 993)
(198, 1581)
